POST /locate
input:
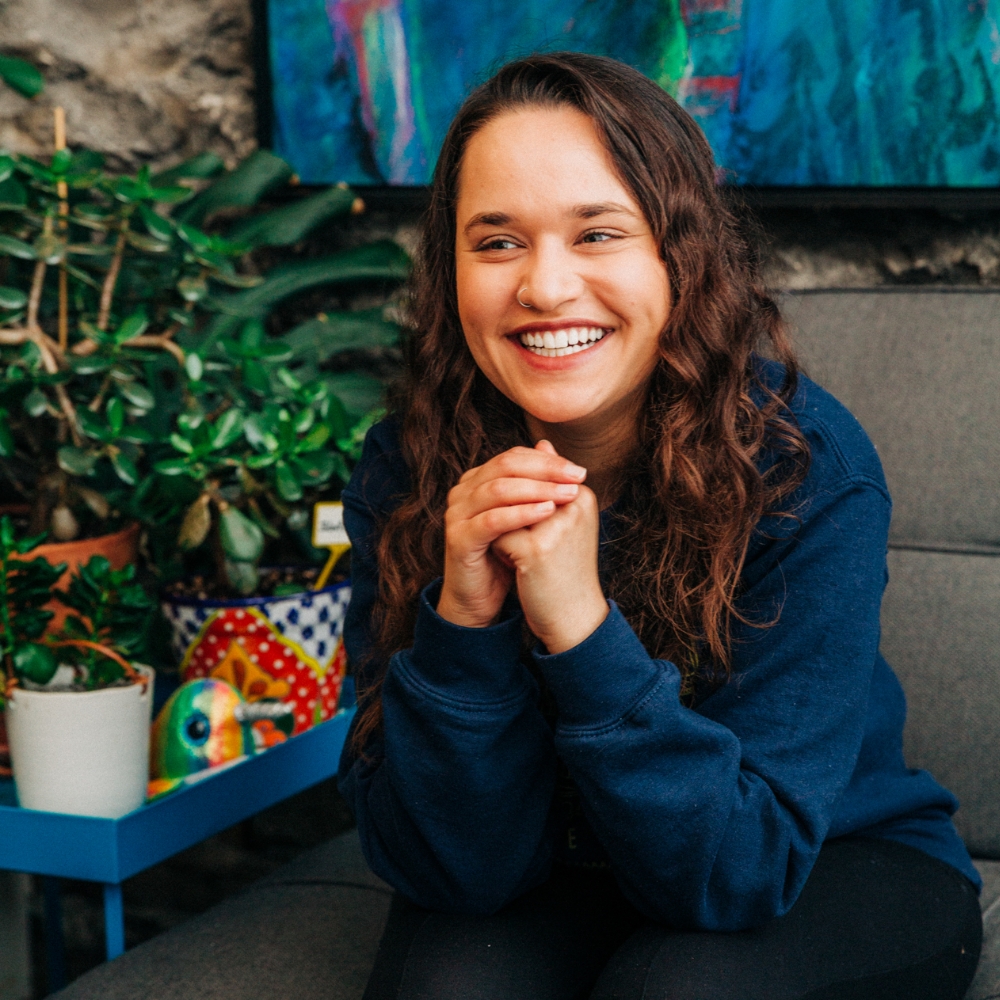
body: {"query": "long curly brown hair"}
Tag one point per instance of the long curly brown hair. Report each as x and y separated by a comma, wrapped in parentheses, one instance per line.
(691, 493)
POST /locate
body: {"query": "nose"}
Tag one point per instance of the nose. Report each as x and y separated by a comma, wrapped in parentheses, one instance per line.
(551, 277)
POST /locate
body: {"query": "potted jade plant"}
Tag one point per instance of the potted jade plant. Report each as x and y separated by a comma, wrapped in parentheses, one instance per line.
(142, 381)
(112, 299)
(259, 446)
(77, 701)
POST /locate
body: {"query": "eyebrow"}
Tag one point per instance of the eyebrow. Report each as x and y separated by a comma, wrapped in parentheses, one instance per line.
(591, 211)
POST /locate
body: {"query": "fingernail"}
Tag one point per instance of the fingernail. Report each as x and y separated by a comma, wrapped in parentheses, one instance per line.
(567, 489)
(576, 470)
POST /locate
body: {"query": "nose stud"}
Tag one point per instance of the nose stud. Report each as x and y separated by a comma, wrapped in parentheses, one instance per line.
(527, 305)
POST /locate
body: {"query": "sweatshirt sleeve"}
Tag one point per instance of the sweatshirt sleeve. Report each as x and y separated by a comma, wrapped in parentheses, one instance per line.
(452, 797)
(713, 817)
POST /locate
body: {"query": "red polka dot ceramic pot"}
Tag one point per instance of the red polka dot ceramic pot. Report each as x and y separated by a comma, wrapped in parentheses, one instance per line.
(283, 648)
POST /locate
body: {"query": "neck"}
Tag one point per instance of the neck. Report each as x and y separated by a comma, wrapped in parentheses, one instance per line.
(599, 443)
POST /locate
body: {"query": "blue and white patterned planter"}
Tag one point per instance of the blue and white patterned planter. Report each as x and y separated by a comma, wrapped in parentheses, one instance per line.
(287, 648)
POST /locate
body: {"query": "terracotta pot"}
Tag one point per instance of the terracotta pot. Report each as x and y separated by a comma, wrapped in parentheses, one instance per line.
(120, 549)
(284, 648)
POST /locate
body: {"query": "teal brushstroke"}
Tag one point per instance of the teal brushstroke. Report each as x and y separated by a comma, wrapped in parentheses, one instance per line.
(836, 92)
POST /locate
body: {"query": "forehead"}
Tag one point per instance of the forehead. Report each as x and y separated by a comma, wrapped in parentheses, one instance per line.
(537, 157)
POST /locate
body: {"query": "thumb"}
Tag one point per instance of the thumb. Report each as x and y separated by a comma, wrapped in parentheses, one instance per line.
(546, 446)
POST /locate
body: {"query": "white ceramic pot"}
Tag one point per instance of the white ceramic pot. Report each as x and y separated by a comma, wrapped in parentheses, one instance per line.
(81, 752)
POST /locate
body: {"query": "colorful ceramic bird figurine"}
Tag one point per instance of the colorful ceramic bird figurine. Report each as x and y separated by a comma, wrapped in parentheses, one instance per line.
(207, 723)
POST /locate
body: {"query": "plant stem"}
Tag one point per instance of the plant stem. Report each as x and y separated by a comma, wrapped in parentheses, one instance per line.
(59, 122)
(111, 279)
(95, 404)
(35, 296)
(158, 340)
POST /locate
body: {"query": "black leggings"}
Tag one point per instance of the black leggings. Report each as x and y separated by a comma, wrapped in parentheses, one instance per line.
(876, 921)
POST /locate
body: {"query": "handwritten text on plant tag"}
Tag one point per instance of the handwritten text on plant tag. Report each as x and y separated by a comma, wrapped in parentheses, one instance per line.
(328, 525)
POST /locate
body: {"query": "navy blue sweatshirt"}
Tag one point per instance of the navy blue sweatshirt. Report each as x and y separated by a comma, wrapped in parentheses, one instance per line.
(710, 817)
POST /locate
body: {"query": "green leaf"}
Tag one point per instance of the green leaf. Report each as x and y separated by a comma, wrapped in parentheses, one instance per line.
(200, 167)
(12, 194)
(380, 261)
(116, 415)
(172, 466)
(316, 438)
(16, 248)
(6, 168)
(12, 298)
(147, 243)
(132, 326)
(252, 335)
(259, 173)
(6, 438)
(242, 576)
(158, 227)
(171, 195)
(76, 461)
(35, 663)
(182, 444)
(227, 429)
(138, 395)
(319, 339)
(194, 367)
(318, 466)
(241, 539)
(195, 238)
(22, 76)
(357, 391)
(35, 403)
(60, 162)
(255, 376)
(287, 482)
(303, 420)
(291, 223)
(124, 468)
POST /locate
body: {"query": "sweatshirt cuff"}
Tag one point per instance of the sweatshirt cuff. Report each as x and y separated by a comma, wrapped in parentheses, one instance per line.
(473, 664)
(601, 679)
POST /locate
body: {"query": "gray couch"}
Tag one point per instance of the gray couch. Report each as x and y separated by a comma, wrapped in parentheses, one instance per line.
(920, 369)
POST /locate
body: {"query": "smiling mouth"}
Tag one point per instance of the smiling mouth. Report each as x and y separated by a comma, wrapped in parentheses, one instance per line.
(558, 343)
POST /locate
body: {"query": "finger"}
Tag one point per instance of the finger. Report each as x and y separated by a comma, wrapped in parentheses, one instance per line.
(511, 493)
(546, 446)
(481, 531)
(530, 463)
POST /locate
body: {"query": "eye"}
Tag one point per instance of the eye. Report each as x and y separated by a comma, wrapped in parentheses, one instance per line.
(497, 243)
(197, 728)
(596, 236)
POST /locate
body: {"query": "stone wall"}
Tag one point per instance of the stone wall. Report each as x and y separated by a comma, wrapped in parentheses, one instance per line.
(154, 82)
(144, 81)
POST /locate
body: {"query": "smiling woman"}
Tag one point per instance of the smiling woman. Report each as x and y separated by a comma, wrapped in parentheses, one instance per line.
(616, 589)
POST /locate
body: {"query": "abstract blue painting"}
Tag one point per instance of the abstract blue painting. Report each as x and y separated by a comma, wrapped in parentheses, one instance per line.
(822, 93)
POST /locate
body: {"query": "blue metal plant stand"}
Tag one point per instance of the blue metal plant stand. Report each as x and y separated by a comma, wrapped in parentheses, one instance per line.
(111, 850)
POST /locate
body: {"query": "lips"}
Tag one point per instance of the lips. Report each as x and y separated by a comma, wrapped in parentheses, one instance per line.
(559, 343)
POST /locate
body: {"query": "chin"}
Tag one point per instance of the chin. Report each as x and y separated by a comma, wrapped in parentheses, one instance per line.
(558, 413)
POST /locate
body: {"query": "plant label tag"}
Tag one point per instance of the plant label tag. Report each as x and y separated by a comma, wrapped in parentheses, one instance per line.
(328, 526)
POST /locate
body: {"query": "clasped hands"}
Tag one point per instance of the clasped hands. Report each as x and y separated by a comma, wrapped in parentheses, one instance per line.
(524, 519)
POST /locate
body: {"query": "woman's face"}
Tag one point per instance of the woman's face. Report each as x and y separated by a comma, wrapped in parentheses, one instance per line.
(542, 213)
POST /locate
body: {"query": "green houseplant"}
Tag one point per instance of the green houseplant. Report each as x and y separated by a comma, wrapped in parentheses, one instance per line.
(77, 702)
(120, 316)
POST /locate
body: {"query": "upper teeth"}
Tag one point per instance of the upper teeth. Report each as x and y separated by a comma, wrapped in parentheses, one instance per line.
(555, 343)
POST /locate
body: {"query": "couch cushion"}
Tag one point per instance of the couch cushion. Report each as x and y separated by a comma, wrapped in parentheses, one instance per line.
(941, 634)
(308, 932)
(986, 985)
(918, 368)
